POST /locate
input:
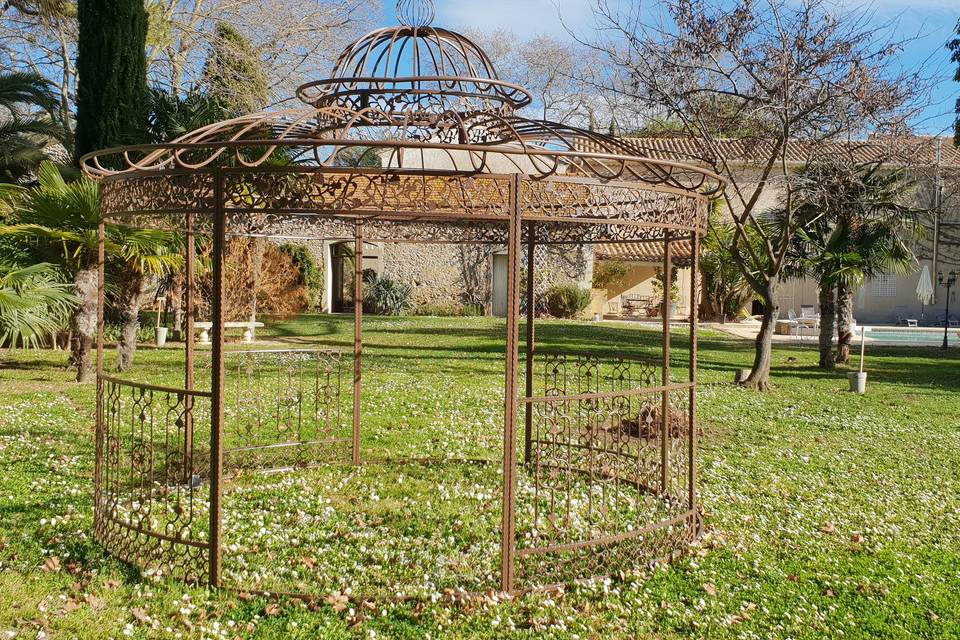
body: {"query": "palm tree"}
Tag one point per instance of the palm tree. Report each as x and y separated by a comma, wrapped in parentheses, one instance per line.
(856, 225)
(25, 133)
(33, 303)
(143, 256)
(64, 217)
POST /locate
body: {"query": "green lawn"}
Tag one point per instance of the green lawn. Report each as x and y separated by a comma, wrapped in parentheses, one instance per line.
(827, 514)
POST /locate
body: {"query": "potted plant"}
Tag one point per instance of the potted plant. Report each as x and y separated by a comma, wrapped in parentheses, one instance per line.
(161, 332)
(858, 379)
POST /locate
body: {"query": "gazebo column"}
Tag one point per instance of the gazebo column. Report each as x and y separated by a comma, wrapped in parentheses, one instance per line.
(188, 374)
(692, 422)
(665, 394)
(217, 382)
(530, 346)
(357, 335)
(99, 436)
(508, 542)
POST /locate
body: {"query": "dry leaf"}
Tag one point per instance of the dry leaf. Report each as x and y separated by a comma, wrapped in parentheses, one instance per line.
(140, 616)
(52, 564)
(272, 609)
(95, 602)
(244, 596)
(856, 538)
(710, 588)
(337, 601)
(828, 528)
(70, 606)
(309, 562)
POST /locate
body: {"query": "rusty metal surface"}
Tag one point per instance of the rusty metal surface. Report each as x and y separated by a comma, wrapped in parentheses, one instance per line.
(607, 479)
(150, 503)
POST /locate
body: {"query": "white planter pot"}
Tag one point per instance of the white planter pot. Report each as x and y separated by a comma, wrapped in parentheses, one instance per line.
(161, 336)
(858, 381)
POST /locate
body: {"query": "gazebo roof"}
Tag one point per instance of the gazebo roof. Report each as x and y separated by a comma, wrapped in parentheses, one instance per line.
(410, 121)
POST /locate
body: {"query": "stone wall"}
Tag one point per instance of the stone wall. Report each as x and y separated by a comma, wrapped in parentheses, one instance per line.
(457, 275)
(443, 274)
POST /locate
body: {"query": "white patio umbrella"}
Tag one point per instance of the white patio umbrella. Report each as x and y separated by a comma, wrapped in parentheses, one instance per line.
(925, 289)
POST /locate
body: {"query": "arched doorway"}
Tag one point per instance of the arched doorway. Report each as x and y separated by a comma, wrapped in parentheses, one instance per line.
(340, 294)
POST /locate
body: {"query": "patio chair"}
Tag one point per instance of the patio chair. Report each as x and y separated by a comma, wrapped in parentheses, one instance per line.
(795, 328)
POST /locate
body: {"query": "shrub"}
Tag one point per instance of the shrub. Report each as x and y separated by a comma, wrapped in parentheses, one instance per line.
(112, 331)
(387, 297)
(608, 272)
(449, 310)
(567, 300)
(311, 276)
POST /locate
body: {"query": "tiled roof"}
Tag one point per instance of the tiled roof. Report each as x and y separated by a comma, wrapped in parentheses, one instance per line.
(643, 251)
(906, 150)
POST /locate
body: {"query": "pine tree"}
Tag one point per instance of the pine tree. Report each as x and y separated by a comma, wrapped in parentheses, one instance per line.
(233, 75)
(112, 98)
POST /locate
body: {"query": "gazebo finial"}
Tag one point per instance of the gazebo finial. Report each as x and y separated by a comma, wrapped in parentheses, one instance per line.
(415, 13)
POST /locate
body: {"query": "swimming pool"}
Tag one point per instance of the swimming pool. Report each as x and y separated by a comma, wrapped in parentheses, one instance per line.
(932, 336)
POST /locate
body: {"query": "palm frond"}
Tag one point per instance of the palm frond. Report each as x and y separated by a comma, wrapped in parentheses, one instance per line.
(34, 303)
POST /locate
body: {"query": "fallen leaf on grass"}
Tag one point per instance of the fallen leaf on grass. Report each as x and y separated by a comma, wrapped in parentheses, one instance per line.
(828, 528)
(140, 616)
(52, 564)
(710, 588)
(337, 601)
(272, 609)
(95, 602)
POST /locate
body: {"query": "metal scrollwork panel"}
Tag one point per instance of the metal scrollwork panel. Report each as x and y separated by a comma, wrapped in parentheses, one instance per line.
(361, 193)
(597, 481)
(285, 409)
(157, 192)
(572, 201)
(152, 501)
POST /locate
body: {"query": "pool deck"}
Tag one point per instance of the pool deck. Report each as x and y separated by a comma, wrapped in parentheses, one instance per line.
(749, 331)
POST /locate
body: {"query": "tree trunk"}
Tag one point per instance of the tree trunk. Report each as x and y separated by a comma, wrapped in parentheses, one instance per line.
(759, 377)
(844, 323)
(131, 293)
(84, 323)
(828, 316)
(175, 303)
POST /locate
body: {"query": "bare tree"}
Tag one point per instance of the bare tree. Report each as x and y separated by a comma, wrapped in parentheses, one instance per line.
(40, 37)
(547, 67)
(753, 79)
(297, 39)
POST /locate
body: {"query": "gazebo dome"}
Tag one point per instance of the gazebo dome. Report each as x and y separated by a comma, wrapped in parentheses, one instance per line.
(415, 66)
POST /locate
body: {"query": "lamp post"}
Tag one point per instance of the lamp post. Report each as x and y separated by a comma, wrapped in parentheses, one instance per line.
(948, 282)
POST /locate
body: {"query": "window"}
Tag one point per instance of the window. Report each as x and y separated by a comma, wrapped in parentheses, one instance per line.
(885, 286)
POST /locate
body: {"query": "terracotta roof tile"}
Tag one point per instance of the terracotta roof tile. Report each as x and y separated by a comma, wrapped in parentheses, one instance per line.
(906, 150)
(642, 251)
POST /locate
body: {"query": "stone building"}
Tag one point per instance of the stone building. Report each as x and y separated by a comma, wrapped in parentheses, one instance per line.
(934, 164)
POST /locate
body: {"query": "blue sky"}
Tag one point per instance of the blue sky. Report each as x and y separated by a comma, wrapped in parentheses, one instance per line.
(932, 21)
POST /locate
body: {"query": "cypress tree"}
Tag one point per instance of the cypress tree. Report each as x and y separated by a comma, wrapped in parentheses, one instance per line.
(112, 97)
(233, 75)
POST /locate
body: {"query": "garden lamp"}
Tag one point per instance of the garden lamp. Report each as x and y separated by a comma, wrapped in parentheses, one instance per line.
(949, 281)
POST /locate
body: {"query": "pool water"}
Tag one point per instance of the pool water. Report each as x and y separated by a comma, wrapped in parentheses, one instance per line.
(914, 336)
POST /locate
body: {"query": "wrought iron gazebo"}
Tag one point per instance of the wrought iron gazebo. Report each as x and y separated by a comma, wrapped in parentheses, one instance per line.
(604, 446)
